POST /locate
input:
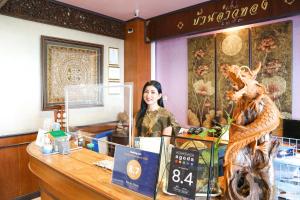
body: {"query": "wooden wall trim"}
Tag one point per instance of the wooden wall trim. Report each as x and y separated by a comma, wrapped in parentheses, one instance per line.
(218, 14)
(17, 139)
(14, 145)
(137, 56)
(15, 178)
(60, 14)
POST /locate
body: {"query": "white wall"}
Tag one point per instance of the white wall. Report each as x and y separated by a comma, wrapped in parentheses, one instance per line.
(20, 70)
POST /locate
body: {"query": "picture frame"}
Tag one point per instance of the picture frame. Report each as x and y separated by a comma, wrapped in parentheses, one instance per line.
(113, 89)
(114, 73)
(68, 62)
(113, 56)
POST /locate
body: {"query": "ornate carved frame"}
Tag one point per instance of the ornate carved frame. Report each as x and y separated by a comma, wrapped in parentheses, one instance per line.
(68, 62)
(60, 14)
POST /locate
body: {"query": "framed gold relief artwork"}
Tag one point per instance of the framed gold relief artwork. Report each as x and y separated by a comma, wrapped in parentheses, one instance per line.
(68, 62)
(113, 56)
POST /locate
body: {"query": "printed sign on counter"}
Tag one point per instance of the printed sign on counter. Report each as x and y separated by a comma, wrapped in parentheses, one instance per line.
(183, 172)
(136, 170)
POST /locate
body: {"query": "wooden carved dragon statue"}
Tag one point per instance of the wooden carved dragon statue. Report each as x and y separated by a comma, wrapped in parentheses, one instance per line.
(248, 169)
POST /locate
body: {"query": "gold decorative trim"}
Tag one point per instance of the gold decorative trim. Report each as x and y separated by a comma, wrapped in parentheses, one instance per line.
(290, 2)
(200, 12)
(180, 25)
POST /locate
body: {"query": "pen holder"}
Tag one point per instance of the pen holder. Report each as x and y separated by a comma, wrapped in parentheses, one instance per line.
(63, 146)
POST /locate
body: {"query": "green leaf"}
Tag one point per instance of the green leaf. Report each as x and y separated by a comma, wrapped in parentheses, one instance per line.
(205, 157)
(203, 134)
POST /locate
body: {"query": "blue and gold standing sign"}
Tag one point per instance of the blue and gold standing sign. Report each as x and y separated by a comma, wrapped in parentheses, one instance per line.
(183, 172)
(136, 170)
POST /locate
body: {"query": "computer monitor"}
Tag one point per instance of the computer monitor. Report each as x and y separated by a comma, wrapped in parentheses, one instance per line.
(291, 128)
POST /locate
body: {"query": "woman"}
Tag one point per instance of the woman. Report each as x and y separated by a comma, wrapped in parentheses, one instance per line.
(153, 120)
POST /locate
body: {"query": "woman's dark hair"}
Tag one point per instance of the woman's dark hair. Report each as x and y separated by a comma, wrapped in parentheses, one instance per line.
(143, 109)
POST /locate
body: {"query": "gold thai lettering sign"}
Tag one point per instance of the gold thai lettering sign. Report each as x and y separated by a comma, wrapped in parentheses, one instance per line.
(214, 15)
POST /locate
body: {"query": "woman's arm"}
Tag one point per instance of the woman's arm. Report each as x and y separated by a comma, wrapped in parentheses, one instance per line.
(167, 131)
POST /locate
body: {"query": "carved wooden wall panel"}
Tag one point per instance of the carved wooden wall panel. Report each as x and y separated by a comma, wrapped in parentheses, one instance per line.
(232, 48)
(2, 2)
(59, 14)
(208, 60)
(201, 79)
(272, 46)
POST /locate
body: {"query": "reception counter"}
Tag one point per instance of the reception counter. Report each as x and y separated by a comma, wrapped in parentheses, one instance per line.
(74, 176)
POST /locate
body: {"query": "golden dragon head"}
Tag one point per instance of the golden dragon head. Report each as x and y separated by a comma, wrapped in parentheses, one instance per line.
(243, 81)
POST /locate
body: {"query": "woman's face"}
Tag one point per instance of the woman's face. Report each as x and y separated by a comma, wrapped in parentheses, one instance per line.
(151, 95)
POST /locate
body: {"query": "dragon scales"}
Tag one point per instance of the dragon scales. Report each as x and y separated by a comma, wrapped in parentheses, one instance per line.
(248, 170)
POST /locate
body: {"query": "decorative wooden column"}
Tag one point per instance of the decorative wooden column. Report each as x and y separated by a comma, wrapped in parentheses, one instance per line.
(137, 55)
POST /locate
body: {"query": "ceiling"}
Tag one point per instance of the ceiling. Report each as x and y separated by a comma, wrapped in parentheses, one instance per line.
(127, 9)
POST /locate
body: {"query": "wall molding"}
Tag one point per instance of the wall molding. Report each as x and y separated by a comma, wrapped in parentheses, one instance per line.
(67, 16)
